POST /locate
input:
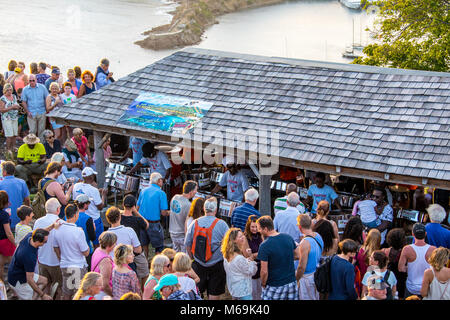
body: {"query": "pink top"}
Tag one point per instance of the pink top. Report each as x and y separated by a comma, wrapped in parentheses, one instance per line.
(81, 146)
(97, 257)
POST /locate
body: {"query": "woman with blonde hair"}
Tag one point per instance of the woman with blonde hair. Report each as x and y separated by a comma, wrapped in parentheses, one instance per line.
(436, 280)
(124, 279)
(9, 108)
(130, 296)
(88, 84)
(12, 64)
(159, 266)
(239, 269)
(182, 268)
(90, 286)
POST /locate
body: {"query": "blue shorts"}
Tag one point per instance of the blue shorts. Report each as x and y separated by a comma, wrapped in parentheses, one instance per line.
(98, 230)
(372, 224)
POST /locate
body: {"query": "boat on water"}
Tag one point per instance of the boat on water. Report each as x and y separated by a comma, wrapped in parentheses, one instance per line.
(352, 4)
(352, 52)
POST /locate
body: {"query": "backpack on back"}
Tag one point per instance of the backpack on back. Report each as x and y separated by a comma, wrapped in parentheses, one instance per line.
(39, 200)
(322, 276)
(201, 245)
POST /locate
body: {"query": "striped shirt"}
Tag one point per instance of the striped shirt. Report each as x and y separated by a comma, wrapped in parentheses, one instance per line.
(281, 205)
(21, 231)
(240, 215)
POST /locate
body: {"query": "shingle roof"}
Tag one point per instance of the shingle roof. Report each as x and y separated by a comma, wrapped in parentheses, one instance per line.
(380, 119)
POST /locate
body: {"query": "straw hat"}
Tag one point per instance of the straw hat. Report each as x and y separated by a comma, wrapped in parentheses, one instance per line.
(31, 139)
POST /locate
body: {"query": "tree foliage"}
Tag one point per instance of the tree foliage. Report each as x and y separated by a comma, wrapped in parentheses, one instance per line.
(411, 34)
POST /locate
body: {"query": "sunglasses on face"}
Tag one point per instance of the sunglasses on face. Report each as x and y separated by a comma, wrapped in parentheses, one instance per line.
(32, 80)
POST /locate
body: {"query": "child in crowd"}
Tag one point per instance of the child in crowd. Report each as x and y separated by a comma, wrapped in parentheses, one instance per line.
(25, 214)
(67, 97)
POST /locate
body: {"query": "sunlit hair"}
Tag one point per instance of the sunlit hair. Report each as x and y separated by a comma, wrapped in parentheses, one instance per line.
(89, 280)
(181, 262)
(326, 231)
(107, 239)
(77, 131)
(348, 246)
(381, 258)
(70, 71)
(112, 215)
(251, 219)
(85, 72)
(229, 245)
(121, 252)
(169, 253)
(439, 258)
(372, 243)
(196, 211)
(158, 263)
(323, 208)
(7, 87)
(4, 199)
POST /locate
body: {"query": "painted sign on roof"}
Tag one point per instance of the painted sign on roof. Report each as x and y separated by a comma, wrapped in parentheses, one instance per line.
(165, 113)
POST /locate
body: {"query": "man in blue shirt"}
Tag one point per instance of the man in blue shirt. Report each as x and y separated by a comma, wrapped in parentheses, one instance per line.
(240, 214)
(134, 150)
(152, 203)
(320, 191)
(437, 235)
(33, 101)
(277, 254)
(286, 221)
(102, 76)
(16, 189)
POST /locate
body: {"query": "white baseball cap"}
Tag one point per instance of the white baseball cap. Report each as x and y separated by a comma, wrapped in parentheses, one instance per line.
(88, 171)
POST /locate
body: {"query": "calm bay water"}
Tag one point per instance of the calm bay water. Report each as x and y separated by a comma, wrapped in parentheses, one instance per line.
(81, 32)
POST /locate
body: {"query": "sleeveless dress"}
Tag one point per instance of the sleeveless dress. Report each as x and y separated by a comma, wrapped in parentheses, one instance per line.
(438, 290)
(52, 121)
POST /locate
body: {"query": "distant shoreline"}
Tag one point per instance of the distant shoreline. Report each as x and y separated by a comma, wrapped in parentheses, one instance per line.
(190, 20)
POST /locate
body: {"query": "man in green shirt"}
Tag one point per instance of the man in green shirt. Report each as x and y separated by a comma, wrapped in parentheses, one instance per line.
(31, 158)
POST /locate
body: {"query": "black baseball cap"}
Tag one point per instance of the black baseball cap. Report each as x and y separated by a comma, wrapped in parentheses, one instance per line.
(129, 201)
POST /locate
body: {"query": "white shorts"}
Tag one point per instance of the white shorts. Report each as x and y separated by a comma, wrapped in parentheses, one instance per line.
(11, 128)
(24, 290)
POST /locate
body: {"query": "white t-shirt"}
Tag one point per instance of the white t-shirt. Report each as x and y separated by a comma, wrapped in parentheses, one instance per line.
(159, 163)
(187, 284)
(71, 241)
(366, 209)
(125, 235)
(46, 254)
(92, 193)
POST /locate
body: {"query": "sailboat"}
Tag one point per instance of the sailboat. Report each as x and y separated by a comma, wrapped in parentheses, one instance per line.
(352, 4)
(354, 50)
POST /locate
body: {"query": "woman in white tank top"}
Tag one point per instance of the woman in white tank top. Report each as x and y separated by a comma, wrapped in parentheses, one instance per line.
(436, 280)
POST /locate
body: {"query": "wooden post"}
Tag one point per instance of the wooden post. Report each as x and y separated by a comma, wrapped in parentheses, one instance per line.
(265, 207)
(99, 159)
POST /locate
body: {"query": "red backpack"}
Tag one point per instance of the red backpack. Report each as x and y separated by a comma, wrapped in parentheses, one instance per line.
(201, 245)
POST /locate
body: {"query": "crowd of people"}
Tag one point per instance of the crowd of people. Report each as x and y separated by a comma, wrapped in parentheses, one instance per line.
(57, 247)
